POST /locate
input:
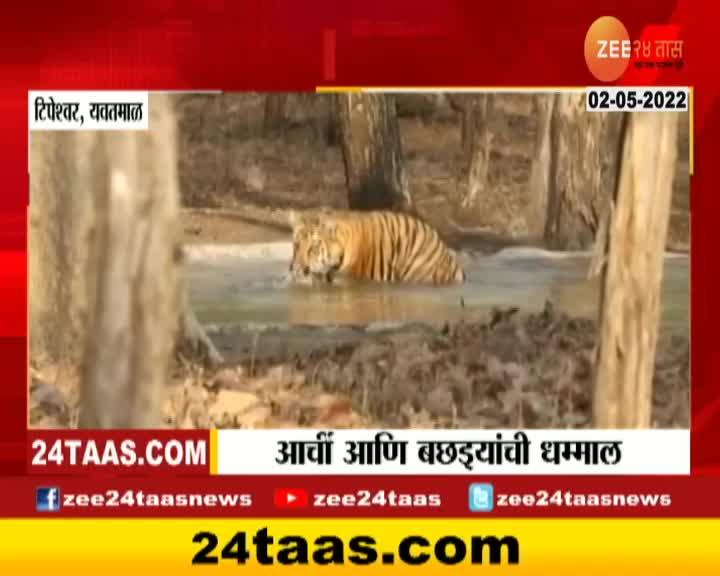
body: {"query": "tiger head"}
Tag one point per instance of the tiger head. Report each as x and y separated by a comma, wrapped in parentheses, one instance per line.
(317, 248)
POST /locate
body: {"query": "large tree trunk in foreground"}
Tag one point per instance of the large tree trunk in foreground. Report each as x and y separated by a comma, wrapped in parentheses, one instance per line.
(573, 172)
(631, 285)
(372, 152)
(104, 277)
(136, 280)
(477, 140)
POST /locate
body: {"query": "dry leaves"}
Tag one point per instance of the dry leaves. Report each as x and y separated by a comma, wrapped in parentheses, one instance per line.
(515, 371)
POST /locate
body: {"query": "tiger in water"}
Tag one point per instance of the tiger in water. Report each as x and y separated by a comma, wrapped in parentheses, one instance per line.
(375, 246)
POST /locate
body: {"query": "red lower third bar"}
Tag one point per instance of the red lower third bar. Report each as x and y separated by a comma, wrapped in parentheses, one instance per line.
(332, 496)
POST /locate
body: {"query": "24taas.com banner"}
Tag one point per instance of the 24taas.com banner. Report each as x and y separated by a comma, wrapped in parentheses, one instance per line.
(352, 546)
(529, 501)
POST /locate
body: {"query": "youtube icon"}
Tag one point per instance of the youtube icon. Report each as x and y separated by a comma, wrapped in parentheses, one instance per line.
(290, 498)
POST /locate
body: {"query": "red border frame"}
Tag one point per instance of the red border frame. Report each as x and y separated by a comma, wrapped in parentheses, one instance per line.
(285, 45)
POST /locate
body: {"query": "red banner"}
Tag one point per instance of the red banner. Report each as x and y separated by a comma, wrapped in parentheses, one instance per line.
(292, 46)
(378, 496)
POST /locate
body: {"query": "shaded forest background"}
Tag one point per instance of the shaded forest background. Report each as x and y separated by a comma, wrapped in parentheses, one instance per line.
(231, 159)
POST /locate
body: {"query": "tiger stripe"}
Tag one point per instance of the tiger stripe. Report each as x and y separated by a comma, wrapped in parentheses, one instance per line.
(377, 246)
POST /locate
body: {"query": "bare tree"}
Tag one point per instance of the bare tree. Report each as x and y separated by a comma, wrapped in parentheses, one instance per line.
(477, 140)
(631, 286)
(573, 172)
(372, 152)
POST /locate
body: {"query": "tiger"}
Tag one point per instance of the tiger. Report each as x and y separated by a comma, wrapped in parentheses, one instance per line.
(377, 246)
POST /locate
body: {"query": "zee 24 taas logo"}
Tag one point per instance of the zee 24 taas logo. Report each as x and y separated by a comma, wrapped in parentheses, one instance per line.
(48, 500)
(609, 50)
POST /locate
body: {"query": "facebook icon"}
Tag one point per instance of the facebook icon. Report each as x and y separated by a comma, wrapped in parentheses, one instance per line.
(47, 500)
(482, 498)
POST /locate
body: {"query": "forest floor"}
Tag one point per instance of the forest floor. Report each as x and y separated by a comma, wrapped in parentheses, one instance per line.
(509, 370)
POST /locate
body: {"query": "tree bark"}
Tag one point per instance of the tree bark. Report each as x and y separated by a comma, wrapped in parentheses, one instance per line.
(372, 152)
(104, 274)
(540, 171)
(274, 118)
(632, 275)
(574, 170)
(477, 141)
(136, 280)
(459, 103)
(332, 129)
(58, 245)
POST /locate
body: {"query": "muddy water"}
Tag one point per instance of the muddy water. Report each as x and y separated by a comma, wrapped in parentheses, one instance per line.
(247, 286)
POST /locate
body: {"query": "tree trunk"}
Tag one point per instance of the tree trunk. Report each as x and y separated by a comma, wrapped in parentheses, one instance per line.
(372, 152)
(477, 139)
(58, 246)
(540, 171)
(332, 129)
(104, 274)
(136, 280)
(632, 277)
(573, 172)
(467, 122)
(459, 104)
(274, 118)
